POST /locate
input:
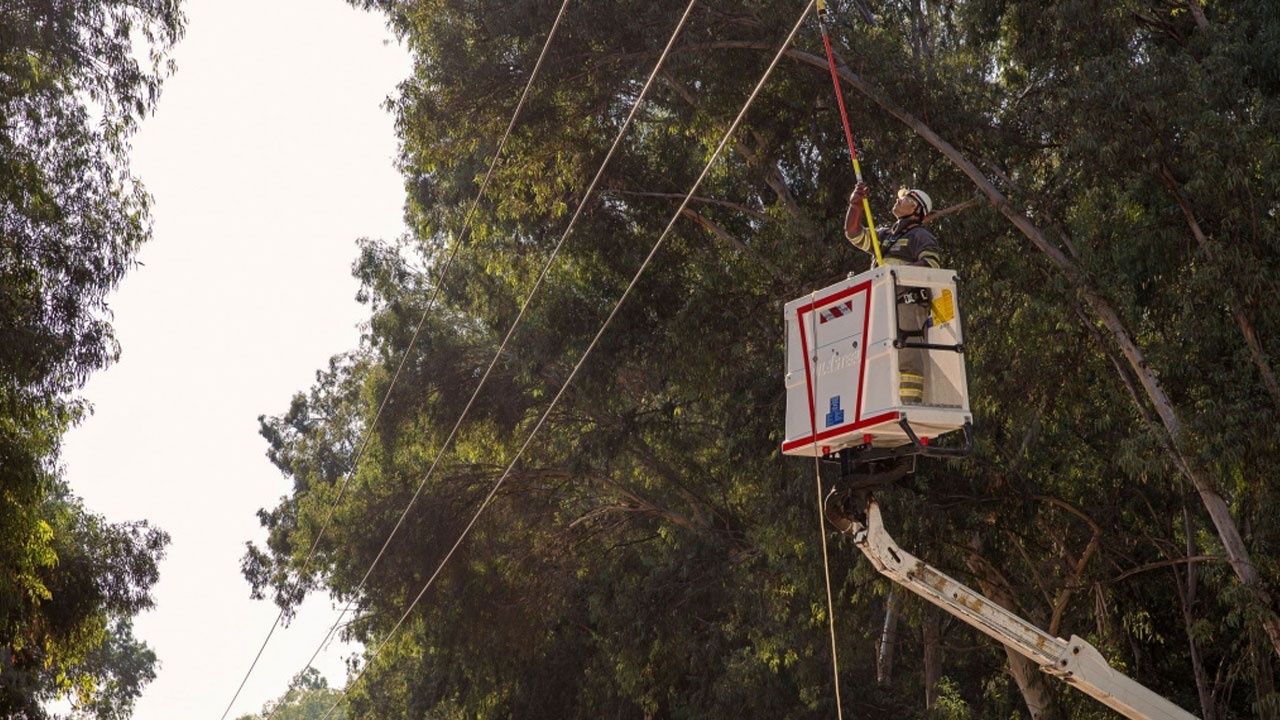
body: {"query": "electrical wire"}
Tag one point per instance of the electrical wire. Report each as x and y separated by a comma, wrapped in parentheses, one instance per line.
(826, 575)
(581, 361)
(875, 246)
(400, 368)
(635, 108)
(817, 477)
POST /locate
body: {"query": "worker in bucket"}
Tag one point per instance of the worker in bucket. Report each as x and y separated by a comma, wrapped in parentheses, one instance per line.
(906, 243)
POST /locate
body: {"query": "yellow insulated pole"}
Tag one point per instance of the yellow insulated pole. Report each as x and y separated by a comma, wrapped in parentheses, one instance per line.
(848, 134)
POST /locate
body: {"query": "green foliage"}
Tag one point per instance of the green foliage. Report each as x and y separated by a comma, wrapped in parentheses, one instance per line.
(72, 90)
(309, 697)
(66, 619)
(75, 79)
(652, 553)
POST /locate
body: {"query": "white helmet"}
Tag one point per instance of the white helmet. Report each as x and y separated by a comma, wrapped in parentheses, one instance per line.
(920, 197)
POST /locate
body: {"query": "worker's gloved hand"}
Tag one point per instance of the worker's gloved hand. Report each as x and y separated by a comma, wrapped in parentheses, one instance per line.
(860, 192)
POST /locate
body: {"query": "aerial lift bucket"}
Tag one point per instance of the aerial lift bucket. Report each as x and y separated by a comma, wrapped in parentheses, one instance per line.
(846, 347)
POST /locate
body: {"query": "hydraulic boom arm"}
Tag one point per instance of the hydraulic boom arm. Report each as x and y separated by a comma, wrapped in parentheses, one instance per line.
(1075, 661)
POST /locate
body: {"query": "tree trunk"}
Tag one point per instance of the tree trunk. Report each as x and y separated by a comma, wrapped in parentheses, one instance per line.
(1264, 683)
(888, 638)
(1187, 595)
(1032, 683)
(932, 655)
(1034, 687)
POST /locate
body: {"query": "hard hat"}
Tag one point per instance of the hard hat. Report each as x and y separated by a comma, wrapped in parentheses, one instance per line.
(919, 196)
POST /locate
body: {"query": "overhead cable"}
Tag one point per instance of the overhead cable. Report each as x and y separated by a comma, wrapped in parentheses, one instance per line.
(399, 369)
(581, 361)
(617, 142)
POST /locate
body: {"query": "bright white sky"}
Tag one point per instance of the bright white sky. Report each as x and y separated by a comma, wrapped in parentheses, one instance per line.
(270, 154)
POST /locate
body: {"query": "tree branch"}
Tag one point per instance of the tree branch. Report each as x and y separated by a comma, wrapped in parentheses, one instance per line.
(727, 237)
(1256, 353)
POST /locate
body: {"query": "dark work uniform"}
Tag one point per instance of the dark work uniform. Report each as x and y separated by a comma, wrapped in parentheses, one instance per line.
(910, 245)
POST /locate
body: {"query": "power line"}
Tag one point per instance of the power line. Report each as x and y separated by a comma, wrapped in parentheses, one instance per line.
(635, 108)
(400, 368)
(822, 533)
(582, 360)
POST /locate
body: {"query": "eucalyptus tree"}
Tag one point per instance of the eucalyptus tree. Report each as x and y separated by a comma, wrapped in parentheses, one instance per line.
(309, 697)
(75, 79)
(1099, 133)
(651, 552)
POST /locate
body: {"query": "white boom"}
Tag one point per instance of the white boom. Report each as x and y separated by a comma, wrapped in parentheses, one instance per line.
(1075, 661)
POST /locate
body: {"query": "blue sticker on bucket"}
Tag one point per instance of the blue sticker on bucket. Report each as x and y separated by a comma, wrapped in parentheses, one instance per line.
(836, 416)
